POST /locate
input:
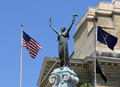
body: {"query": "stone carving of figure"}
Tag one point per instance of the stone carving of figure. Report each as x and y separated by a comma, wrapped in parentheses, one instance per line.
(63, 45)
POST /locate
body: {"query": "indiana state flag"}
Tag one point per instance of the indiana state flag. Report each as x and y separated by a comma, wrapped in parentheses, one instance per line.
(106, 38)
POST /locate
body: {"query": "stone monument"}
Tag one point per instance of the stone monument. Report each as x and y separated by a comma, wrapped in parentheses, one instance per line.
(63, 76)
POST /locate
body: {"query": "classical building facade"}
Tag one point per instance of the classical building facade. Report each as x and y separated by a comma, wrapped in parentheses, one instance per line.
(82, 59)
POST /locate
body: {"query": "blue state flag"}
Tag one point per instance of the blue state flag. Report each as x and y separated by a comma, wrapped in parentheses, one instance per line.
(106, 38)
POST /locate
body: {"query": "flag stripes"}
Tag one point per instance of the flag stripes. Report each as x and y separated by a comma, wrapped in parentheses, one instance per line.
(31, 45)
(24, 43)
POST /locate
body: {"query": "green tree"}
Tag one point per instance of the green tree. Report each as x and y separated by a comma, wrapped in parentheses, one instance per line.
(86, 85)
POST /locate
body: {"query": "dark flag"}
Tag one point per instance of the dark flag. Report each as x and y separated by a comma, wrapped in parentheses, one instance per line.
(106, 38)
(31, 45)
(100, 71)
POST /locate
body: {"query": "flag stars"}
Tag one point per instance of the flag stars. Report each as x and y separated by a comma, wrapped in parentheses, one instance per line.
(106, 35)
(106, 38)
(31, 45)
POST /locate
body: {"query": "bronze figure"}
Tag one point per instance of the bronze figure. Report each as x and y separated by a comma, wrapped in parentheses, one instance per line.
(63, 45)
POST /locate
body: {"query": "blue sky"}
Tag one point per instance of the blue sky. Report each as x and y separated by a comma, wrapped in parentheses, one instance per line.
(34, 16)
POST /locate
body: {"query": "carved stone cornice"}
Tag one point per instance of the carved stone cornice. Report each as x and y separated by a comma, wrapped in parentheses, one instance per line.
(84, 68)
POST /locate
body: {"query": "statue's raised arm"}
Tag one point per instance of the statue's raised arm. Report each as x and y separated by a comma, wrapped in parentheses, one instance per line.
(72, 22)
(70, 26)
(54, 29)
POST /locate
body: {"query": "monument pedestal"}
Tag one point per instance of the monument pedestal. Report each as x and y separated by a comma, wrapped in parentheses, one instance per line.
(63, 77)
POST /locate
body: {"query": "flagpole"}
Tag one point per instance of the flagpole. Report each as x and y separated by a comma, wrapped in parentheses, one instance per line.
(95, 80)
(21, 55)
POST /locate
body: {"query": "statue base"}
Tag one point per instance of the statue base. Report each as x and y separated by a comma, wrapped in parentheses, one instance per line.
(63, 77)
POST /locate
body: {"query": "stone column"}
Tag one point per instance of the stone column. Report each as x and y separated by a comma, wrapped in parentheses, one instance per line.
(63, 77)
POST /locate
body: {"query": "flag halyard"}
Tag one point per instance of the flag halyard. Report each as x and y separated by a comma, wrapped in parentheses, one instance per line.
(31, 45)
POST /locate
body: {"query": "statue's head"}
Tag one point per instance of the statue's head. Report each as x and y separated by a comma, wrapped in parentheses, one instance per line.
(63, 28)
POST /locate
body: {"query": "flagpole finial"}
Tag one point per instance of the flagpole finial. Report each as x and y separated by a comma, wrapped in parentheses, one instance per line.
(95, 12)
(96, 16)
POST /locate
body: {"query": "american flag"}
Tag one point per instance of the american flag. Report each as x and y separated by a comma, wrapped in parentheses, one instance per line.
(31, 45)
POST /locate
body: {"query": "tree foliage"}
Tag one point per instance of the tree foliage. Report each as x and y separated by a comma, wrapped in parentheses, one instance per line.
(86, 85)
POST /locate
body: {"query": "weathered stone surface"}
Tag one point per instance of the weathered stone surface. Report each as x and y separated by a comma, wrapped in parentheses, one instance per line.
(108, 15)
(63, 77)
